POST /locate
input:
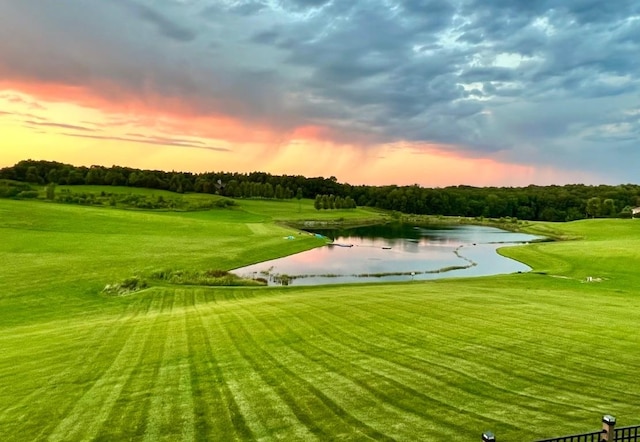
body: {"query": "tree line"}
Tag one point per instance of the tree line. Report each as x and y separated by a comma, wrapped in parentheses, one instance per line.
(538, 203)
(331, 202)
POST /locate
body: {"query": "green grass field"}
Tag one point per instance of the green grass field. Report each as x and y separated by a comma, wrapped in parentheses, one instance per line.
(526, 356)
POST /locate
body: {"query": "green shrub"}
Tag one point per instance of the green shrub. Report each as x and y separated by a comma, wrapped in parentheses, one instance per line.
(211, 277)
(225, 202)
(125, 287)
(11, 189)
(28, 194)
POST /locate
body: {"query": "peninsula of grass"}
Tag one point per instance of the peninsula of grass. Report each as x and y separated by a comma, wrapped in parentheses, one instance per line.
(526, 355)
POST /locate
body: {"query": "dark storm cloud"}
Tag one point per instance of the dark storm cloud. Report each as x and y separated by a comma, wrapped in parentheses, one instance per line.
(161, 22)
(544, 82)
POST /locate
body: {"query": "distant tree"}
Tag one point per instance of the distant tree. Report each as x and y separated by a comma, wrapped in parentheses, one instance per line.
(325, 202)
(50, 190)
(134, 179)
(495, 206)
(115, 178)
(573, 214)
(95, 176)
(203, 185)
(551, 214)
(76, 176)
(349, 203)
(32, 175)
(318, 202)
(255, 189)
(53, 176)
(268, 190)
(593, 207)
(233, 189)
(608, 208)
(175, 183)
(299, 198)
(243, 190)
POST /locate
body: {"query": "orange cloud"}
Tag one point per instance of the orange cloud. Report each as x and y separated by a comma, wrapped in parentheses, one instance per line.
(159, 113)
(76, 125)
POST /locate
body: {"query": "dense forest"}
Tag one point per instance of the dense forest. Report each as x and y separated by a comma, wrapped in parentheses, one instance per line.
(542, 203)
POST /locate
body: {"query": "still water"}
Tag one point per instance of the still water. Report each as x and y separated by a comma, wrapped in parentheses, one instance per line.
(395, 253)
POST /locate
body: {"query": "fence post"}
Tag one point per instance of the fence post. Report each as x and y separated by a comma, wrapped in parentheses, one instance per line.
(488, 437)
(608, 428)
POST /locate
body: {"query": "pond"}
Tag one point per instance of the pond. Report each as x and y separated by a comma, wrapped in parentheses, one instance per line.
(391, 252)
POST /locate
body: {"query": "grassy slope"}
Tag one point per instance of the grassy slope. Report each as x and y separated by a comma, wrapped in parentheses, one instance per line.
(608, 249)
(527, 356)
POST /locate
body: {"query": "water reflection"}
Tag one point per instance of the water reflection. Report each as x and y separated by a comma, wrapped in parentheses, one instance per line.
(395, 253)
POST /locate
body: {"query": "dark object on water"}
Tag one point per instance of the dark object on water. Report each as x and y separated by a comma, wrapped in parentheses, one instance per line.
(340, 245)
(386, 248)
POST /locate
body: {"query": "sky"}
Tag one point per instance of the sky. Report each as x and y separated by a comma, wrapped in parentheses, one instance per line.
(428, 92)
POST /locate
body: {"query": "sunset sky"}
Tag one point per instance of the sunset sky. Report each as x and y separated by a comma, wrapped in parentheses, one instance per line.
(434, 92)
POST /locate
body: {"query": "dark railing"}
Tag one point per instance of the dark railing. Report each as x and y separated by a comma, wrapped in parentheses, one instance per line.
(627, 434)
(583, 437)
(609, 433)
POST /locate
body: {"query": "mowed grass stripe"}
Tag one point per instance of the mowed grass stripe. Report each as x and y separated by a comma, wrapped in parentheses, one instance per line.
(445, 380)
(507, 315)
(512, 372)
(467, 346)
(171, 414)
(262, 409)
(254, 400)
(537, 347)
(84, 421)
(80, 357)
(506, 364)
(258, 395)
(287, 367)
(311, 408)
(128, 418)
(49, 362)
(350, 380)
(218, 415)
(506, 346)
(407, 383)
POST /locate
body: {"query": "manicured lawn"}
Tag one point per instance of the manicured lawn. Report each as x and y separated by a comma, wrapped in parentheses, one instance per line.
(526, 356)
(292, 210)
